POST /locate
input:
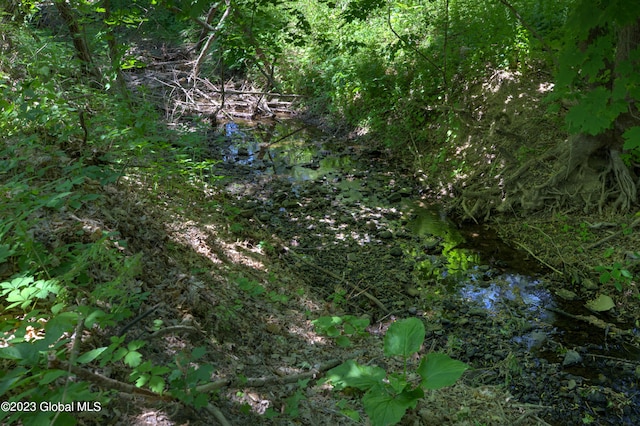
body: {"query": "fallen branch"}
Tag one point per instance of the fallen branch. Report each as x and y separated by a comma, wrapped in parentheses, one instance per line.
(266, 381)
(539, 259)
(105, 382)
(596, 322)
(616, 359)
(614, 235)
(182, 329)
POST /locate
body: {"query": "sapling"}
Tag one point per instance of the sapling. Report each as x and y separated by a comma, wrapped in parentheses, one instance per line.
(388, 395)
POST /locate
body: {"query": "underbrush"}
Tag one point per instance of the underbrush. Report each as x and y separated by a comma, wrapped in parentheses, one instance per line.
(70, 284)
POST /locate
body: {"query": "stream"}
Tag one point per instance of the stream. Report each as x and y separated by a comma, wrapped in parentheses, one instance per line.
(342, 206)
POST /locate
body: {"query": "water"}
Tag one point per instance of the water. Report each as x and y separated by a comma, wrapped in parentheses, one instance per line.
(472, 261)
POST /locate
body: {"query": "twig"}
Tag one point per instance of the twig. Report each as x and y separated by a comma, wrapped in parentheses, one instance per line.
(185, 329)
(265, 381)
(212, 36)
(611, 358)
(215, 412)
(554, 244)
(258, 93)
(614, 235)
(524, 23)
(412, 47)
(73, 354)
(596, 322)
(539, 259)
(337, 277)
(104, 381)
(286, 136)
(138, 319)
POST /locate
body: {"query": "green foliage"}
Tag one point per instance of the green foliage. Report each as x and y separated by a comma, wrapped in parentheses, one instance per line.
(292, 403)
(341, 328)
(383, 66)
(251, 287)
(617, 273)
(595, 69)
(65, 140)
(388, 395)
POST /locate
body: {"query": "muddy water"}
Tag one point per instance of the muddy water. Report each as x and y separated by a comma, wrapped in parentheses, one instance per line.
(479, 269)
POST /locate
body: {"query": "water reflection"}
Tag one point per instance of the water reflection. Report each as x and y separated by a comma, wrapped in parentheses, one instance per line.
(521, 289)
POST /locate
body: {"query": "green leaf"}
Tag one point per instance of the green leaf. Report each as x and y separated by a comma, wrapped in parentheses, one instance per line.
(593, 114)
(352, 414)
(133, 359)
(45, 287)
(22, 297)
(201, 400)
(58, 325)
(198, 352)
(202, 373)
(51, 375)
(605, 277)
(439, 370)
(93, 317)
(17, 283)
(64, 419)
(343, 341)
(156, 384)
(385, 408)
(26, 352)
(351, 374)
(632, 138)
(142, 380)
(5, 252)
(404, 337)
(10, 378)
(91, 355)
(324, 322)
(601, 303)
(56, 201)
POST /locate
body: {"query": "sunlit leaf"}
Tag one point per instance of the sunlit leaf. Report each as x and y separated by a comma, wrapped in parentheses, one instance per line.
(439, 370)
(404, 337)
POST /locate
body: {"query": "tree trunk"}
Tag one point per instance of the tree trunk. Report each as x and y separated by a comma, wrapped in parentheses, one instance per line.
(79, 39)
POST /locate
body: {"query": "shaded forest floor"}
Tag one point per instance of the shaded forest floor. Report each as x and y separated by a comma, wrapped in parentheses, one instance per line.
(251, 259)
(240, 261)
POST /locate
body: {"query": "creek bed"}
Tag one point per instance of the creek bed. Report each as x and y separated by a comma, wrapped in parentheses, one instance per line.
(346, 208)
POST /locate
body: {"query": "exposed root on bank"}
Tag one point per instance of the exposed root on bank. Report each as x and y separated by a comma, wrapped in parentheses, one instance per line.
(578, 173)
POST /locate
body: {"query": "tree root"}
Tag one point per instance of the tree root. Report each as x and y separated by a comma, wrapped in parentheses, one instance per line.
(577, 175)
(628, 190)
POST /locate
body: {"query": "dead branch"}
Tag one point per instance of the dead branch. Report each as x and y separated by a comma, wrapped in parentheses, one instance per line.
(266, 381)
(181, 329)
(539, 259)
(614, 235)
(596, 322)
(212, 36)
(103, 381)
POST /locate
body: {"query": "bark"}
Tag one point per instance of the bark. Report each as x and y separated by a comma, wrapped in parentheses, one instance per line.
(79, 39)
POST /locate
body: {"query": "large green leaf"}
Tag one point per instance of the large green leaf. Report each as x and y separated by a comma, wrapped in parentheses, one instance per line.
(351, 374)
(439, 370)
(386, 408)
(632, 138)
(404, 337)
(91, 355)
(58, 325)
